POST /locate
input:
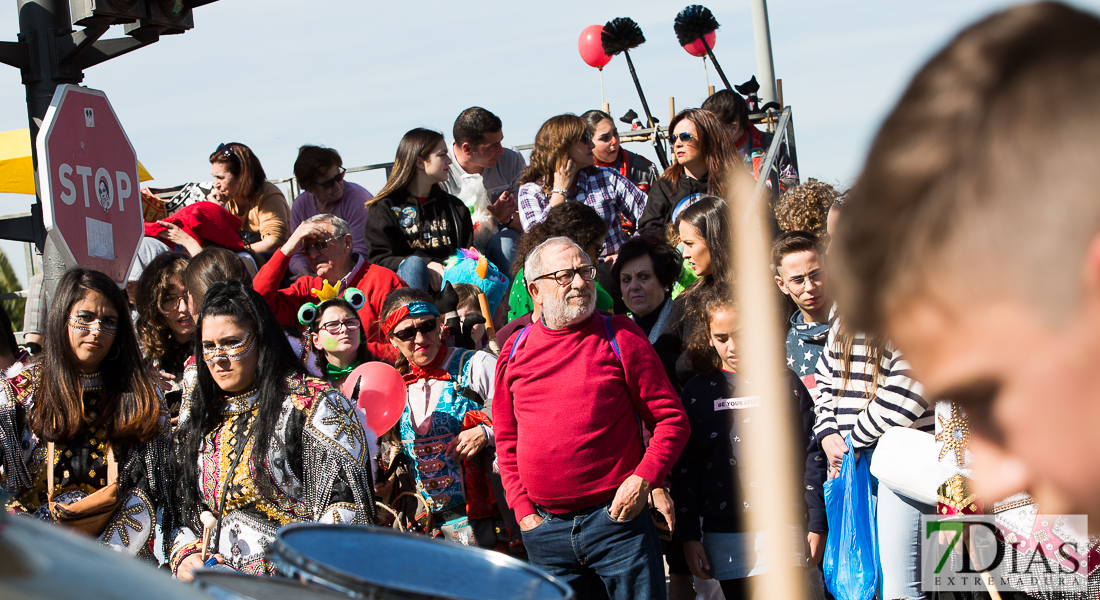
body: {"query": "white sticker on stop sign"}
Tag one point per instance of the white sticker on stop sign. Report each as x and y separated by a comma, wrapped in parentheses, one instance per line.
(101, 239)
(89, 118)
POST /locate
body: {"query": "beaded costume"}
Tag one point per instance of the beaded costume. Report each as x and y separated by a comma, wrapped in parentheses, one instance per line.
(317, 463)
(439, 479)
(80, 466)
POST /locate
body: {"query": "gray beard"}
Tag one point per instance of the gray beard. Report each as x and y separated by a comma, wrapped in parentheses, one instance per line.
(563, 314)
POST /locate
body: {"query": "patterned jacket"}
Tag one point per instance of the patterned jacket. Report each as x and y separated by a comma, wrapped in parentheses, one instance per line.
(317, 463)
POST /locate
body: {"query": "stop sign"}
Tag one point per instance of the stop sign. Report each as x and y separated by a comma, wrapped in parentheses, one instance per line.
(88, 182)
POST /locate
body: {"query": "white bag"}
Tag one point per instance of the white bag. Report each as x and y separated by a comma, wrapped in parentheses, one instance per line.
(907, 461)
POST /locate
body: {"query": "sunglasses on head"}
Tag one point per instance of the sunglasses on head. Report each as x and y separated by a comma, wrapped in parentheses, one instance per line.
(331, 182)
(224, 150)
(409, 333)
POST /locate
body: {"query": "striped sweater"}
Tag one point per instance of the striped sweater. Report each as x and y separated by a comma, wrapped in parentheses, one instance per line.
(843, 406)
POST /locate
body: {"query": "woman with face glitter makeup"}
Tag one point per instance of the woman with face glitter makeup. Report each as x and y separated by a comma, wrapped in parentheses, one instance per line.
(95, 426)
(260, 452)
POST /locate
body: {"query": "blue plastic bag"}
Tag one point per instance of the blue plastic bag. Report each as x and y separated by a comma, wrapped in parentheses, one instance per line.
(851, 559)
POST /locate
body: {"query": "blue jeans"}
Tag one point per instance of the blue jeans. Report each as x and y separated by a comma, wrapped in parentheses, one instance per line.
(598, 556)
(899, 543)
(501, 250)
(414, 271)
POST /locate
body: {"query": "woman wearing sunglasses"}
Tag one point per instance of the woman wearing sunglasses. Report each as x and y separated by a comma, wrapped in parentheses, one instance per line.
(263, 445)
(563, 168)
(704, 153)
(445, 427)
(241, 187)
(415, 225)
(84, 436)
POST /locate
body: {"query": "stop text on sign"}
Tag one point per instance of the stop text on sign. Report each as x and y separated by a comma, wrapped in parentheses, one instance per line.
(103, 188)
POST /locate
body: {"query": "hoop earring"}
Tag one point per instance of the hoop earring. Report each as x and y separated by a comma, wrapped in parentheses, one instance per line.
(118, 353)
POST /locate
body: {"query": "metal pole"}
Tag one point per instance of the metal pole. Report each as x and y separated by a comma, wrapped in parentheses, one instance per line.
(765, 67)
(41, 22)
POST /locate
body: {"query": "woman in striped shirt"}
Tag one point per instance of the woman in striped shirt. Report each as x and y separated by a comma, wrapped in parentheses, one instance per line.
(864, 388)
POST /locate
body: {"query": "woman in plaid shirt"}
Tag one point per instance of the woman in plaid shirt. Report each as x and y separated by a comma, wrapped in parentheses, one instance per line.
(563, 168)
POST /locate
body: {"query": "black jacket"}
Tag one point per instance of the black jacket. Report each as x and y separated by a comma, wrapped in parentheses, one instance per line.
(663, 198)
(707, 480)
(399, 226)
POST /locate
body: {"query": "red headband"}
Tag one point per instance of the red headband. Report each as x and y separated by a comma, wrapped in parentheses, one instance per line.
(412, 309)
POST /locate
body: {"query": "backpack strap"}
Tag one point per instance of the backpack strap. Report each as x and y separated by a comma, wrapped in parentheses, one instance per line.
(611, 336)
(523, 333)
(458, 374)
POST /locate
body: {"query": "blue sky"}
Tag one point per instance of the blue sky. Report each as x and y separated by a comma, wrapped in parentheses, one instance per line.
(355, 75)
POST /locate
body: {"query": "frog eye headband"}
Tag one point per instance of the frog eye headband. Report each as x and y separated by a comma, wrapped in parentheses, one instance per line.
(307, 314)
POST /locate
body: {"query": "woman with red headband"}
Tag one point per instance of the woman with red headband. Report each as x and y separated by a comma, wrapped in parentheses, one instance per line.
(445, 427)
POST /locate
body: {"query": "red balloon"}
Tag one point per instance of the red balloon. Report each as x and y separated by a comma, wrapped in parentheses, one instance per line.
(381, 394)
(591, 47)
(696, 48)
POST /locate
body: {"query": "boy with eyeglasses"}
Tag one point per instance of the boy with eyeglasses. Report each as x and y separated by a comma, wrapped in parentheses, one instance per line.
(800, 275)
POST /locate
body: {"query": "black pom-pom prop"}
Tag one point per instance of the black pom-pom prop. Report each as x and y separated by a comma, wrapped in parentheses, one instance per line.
(620, 36)
(693, 26)
(355, 298)
(307, 314)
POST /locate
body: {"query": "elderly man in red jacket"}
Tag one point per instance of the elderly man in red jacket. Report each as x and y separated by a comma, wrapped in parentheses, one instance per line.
(573, 391)
(326, 242)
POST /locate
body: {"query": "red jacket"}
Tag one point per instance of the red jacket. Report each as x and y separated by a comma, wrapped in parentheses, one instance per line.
(565, 416)
(375, 282)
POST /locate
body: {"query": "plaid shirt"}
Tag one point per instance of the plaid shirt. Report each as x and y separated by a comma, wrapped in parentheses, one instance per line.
(611, 194)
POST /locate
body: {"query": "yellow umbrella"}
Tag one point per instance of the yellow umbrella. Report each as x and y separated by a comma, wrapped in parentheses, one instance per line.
(16, 168)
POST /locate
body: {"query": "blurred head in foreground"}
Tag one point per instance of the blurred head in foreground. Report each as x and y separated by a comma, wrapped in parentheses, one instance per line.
(972, 239)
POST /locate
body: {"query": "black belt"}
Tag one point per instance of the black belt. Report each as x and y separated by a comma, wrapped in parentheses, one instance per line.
(574, 514)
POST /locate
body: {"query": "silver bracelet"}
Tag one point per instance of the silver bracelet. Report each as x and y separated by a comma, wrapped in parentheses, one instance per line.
(559, 191)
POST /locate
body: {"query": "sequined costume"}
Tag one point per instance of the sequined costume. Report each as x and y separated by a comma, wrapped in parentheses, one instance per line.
(80, 469)
(425, 436)
(317, 464)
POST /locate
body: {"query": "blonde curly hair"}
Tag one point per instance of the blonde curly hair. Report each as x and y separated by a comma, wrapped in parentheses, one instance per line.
(806, 207)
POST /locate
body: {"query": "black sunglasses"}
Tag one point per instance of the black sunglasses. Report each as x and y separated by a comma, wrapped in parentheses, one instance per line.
(331, 182)
(684, 137)
(409, 333)
(225, 151)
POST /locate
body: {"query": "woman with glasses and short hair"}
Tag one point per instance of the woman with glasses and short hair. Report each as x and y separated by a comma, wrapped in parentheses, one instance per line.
(563, 168)
(446, 424)
(320, 174)
(241, 187)
(704, 153)
(165, 326)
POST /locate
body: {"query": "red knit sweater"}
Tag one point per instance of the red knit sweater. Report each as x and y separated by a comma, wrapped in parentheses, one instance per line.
(375, 282)
(565, 416)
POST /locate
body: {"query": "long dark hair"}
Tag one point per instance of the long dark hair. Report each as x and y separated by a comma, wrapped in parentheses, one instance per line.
(396, 300)
(133, 407)
(710, 217)
(716, 144)
(416, 143)
(238, 301)
(362, 355)
(152, 325)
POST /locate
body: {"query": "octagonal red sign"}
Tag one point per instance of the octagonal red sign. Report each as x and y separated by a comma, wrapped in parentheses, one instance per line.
(88, 181)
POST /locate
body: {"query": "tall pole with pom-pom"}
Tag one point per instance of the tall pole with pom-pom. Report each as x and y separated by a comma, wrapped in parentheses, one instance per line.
(695, 27)
(622, 35)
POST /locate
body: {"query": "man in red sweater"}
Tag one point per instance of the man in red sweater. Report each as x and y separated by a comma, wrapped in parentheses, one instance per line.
(566, 416)
(326, 242)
